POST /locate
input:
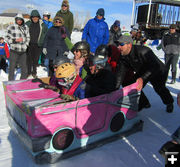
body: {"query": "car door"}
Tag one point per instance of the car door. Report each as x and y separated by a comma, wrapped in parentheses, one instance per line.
(91, 115)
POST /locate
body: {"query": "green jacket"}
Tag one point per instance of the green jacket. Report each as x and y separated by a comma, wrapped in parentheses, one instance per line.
(68, 19)
(43, 31)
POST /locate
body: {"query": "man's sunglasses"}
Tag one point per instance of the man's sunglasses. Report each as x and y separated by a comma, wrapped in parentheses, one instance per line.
(64, 5)
(121, 43)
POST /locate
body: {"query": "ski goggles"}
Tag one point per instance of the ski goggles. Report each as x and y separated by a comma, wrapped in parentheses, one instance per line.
(65, 81)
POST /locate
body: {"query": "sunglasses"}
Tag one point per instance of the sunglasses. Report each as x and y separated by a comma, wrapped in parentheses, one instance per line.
(64, 5)
(58, 21)
(77, 50)
(121, 44)
(99, 15)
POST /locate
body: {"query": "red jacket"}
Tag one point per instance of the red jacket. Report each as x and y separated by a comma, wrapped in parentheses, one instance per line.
(6, 49)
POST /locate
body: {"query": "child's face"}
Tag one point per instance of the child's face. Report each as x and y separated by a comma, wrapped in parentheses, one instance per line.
(1, 40)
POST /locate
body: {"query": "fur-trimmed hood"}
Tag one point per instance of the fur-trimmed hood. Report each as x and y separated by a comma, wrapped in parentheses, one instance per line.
(58, 18)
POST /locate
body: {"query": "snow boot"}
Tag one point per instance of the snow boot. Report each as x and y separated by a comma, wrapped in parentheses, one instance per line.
(169, 108)
(173, 78)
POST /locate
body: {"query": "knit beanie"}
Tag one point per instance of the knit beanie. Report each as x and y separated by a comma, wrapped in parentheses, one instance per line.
(100, 12)
(117, 23)
(66, 3)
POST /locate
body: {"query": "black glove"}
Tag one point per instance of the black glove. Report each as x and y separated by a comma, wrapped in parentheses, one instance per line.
(63, 32)
(46, 86)
(68, 97)
(37, 80)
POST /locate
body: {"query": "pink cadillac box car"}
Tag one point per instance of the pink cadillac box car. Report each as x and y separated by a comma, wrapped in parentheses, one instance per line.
(53, 129)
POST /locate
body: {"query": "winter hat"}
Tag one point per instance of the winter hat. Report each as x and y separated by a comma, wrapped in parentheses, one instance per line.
(124, 39)
(65, 3)
(117, 23)
(35, 13)
(172, 26)
(100, 12)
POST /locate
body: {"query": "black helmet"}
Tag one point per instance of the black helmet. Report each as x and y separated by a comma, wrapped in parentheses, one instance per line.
(84, 48)
(61, 60)
(102, 50)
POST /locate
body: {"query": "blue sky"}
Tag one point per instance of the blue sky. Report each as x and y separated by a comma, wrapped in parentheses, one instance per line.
(114, 9)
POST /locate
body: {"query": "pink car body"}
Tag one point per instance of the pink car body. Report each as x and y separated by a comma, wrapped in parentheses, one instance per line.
(51, 127)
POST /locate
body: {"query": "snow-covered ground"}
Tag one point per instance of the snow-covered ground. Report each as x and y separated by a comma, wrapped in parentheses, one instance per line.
(138, 150)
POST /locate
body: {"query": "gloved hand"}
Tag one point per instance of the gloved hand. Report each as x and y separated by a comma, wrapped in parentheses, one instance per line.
(63, 32)
(68, 97)
(44, 51)
(70, 55)
(46, 86)
(37, 80)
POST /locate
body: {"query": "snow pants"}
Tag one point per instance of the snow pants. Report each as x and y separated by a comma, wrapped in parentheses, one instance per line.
(3, 64)
(171, 60)
(20, 58)
(34, 52)
(159, 85)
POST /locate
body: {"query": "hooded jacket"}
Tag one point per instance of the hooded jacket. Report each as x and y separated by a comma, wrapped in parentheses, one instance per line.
(96, 32)
(15, 31)
(43, 27)
(114, 35)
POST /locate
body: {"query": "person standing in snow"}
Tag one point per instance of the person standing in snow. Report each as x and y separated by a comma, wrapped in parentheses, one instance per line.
(49, 24)
(46, 17)
(54, 42)
(170, 44)
(115, 32)
(4, 53)
(37, 30)
(18, 38)
(147, 68)
(96, 31)
(67, 16)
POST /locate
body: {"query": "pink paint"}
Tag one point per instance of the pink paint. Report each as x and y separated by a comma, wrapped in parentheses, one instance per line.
(86, 117)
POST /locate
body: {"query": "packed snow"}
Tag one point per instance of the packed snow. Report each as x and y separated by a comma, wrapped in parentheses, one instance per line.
(137, 150)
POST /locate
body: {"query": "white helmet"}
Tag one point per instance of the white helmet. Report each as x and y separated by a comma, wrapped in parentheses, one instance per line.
(46, 13)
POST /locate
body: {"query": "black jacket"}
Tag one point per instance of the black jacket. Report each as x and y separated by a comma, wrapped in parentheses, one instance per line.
(101, 83)
(143, 62)
(170, 43)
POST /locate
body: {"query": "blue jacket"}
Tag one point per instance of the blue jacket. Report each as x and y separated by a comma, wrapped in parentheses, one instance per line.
(49, 24)
(2, 50)
(96, 32)
(80, 91)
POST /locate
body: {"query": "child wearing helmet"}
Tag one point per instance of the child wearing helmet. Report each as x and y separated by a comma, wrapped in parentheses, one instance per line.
(72, 85)
(81, 52)
(66, 81)
(46, 19)
(101, 80)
